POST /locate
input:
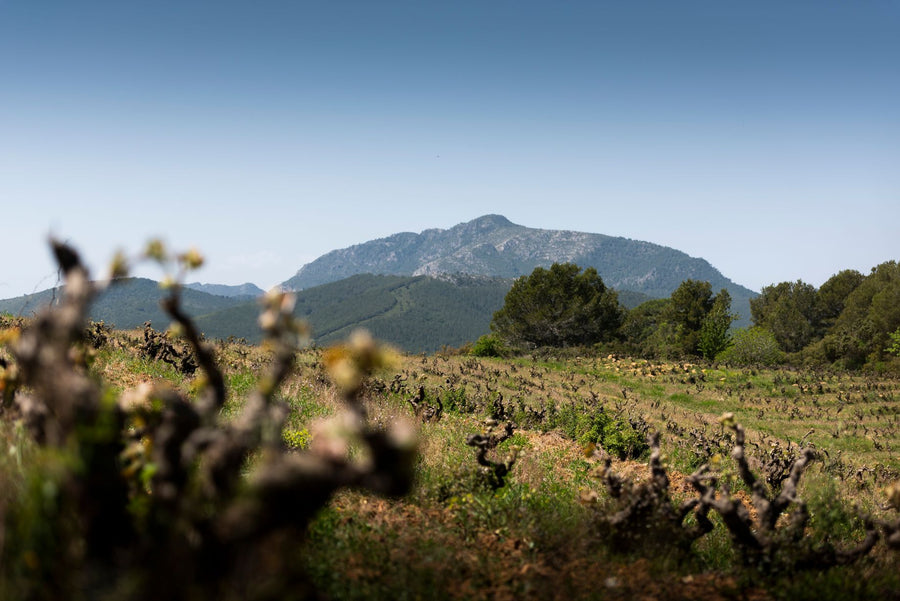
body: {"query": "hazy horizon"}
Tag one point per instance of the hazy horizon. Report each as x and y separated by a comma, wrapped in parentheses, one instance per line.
(764, 138)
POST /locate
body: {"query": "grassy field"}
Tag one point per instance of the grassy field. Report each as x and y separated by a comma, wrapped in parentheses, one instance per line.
(543, 534)
(562, 505)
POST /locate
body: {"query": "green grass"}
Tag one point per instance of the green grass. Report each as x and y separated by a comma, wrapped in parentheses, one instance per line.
(157, 370)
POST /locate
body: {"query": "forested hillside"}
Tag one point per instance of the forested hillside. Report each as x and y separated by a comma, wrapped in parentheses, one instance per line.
(127, 304)
(414, 313)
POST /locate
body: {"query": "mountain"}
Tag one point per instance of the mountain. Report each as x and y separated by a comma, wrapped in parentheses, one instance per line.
(128, 303)
(246, 291)
(494, 246)
(440, 287)
(415, 313)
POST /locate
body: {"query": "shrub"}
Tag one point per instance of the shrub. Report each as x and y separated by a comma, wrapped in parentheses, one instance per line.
(894, 348)
(752, 346)
(596, 425)
(455, 400)
(489, 345)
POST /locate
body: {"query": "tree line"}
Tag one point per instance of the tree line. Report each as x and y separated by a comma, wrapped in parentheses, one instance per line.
(852, 321)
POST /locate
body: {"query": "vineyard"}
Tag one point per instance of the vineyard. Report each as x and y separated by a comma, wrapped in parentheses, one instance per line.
(147, 465)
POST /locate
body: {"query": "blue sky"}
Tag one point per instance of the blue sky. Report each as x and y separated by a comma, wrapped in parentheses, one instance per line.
(761, 136)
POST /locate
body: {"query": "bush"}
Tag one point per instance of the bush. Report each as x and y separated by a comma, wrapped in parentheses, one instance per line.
(489, 345)
(894, 347)
(597, 426)
(752, 346)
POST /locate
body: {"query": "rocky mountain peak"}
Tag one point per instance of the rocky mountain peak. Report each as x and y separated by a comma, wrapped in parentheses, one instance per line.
(487, 223)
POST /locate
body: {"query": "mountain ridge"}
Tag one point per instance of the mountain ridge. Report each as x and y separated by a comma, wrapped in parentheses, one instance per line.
(246, 291)
(492, 245)
(127, 303)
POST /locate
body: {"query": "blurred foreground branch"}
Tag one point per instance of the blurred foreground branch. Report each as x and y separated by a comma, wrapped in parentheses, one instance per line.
(153, 495)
